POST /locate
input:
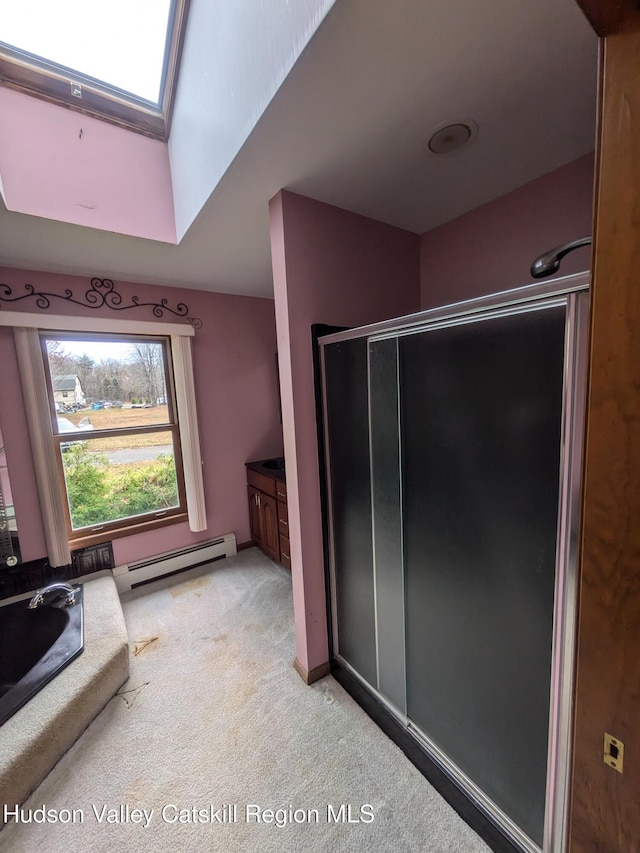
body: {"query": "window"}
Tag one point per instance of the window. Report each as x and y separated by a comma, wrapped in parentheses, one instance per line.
(115, 60)
(118, 448)
(46, 442)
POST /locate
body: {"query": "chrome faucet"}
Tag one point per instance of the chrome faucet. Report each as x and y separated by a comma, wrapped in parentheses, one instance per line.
(59, 588)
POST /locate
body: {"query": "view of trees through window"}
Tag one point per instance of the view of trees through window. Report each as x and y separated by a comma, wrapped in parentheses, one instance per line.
(116, 429)
(132, 373)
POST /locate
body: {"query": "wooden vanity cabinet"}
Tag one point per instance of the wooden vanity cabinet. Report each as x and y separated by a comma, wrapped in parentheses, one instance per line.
(268, 519)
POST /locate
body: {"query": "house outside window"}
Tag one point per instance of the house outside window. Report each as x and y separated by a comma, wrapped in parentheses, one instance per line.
(67, 392)
(117, 446)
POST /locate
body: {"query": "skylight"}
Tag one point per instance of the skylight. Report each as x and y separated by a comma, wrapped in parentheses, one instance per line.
(119, 42)
(104, 57)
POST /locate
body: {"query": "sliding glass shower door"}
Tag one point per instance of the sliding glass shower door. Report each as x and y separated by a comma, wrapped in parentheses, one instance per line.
(452, 451)
(481, 413)
(347, 407)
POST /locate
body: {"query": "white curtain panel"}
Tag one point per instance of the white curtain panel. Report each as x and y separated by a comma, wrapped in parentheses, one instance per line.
(34, 391)
(189, 436)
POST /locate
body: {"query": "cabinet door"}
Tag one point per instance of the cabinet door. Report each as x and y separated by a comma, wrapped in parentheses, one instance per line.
(254, 515)
(269, 526)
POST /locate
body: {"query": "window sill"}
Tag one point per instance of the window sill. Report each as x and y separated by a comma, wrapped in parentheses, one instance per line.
(108, 534)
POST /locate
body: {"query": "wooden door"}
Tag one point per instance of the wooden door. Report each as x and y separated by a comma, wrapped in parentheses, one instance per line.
(605, 817)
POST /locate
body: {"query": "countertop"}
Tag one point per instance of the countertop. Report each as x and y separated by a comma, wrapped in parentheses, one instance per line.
(273, 468)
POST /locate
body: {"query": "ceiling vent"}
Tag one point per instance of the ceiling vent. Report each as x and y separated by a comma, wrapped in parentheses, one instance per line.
(452, 137)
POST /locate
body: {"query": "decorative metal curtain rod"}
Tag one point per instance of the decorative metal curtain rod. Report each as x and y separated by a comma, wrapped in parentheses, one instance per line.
(102, 293)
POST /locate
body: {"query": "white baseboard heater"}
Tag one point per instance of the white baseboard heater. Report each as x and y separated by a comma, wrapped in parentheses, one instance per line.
(128, 577)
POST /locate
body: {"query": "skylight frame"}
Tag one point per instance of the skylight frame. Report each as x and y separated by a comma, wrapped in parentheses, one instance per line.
(50, 81)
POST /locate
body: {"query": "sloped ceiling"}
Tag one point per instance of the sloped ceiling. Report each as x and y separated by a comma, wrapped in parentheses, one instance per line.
(349, 126)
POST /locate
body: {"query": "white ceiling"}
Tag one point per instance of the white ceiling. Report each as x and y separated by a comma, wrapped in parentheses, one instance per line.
(349, 126)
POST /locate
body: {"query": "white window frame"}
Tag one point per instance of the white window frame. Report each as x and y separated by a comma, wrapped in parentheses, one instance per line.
(32, 373)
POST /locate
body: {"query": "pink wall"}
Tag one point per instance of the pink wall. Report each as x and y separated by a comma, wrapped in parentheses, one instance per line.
(333, 267)
(236, 389)
(491, 248)
(82, 170)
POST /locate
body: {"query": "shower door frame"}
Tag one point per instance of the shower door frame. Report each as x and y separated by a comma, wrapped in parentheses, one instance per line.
(573, 292)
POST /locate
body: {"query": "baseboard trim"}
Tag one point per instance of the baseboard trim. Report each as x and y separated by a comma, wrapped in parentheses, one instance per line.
(244, 545)
(311, 675)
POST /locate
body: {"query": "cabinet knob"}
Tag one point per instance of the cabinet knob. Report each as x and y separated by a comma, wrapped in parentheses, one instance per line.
(282, 521)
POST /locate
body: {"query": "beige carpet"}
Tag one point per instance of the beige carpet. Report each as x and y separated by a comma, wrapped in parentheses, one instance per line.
(215, 715)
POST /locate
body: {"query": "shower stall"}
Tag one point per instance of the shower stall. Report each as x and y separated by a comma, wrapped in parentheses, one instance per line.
(453, 450)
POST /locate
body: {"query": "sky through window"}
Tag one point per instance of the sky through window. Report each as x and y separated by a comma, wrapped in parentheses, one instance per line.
(119, 42)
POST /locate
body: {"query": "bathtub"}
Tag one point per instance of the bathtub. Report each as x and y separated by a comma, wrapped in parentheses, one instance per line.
(34, 739)
(35, 645)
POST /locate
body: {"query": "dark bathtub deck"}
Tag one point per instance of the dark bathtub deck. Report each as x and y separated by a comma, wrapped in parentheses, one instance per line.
(36, 645)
